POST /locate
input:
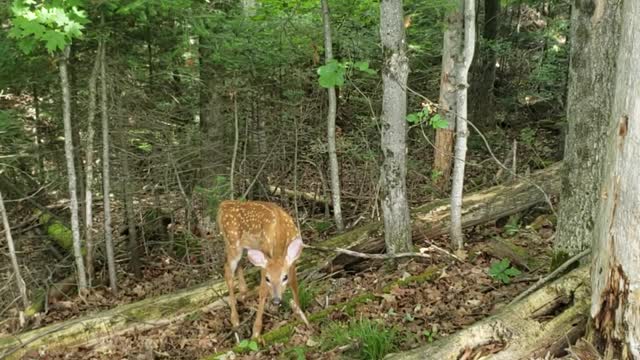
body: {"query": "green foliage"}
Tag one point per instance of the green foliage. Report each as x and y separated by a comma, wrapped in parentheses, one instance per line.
(52, 23)
(219, 190)
(374, 339)
(503, 271)
(528, 136)
(435, 175)
(296, 353)
(248, 345)
(436, 120)
(333, 73)
(430, 335)
(512, 226)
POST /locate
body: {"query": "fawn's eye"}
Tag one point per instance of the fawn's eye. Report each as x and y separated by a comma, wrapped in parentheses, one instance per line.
(285, 278)
(268, 279)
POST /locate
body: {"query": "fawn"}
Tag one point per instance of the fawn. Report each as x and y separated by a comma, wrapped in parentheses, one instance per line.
(273, 243)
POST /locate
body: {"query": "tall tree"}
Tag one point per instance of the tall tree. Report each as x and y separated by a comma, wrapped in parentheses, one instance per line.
(22, 288)
(71, 171)
(443, 152)
(88, 197)
(106, 169)
(594, 47)
(395, 71)
(461, 73)
(331, 124)
(615, 272)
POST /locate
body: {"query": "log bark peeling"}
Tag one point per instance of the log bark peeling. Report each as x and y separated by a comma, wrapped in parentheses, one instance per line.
(543, 323)
(428, 221)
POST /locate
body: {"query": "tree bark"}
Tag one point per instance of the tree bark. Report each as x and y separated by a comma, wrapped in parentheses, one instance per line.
(429, 221)
(22, 287)
(594, 47)
(395, 71)
(71, 171)
(88, 197)
(546, 321)
(443, 152)
(127, 198)
(462, 71)
(482, 98)
(331, 124)
(615, 274)
(106, 170)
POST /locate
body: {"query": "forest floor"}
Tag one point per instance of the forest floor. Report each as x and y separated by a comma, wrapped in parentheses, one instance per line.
(399, 315)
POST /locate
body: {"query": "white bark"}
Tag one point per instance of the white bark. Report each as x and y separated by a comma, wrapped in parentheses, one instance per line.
(22, 288)
(71, 171)
(615, 272)
(460, 153)
(331, 124)
(88, 197)
(106, 186)
(395, 71)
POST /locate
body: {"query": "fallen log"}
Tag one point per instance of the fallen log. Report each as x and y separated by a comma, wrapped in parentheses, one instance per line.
(433, 220)
(430, 221)
(309, 196)
(544, 323)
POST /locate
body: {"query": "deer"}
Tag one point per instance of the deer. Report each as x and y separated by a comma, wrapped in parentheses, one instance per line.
(273, 243)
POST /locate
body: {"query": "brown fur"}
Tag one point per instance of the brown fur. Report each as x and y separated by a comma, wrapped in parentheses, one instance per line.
(259, 226)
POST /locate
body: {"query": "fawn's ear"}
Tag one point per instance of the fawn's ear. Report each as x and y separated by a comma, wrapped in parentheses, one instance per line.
(257, 258)
(294, 250)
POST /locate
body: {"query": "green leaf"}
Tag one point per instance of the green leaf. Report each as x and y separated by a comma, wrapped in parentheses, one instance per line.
(414, 118)
(253, 346)
(54, 40)
(439, 122)
(512, 272)
(331, 74)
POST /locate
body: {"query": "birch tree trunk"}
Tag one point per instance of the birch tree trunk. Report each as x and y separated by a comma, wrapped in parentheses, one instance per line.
(451, 45)
(395, 71)
(462, 72)
(106, 171)
(71, 171)
(594, 47)
(88, 197)
(331, 124)
(615, 270)
(22, 288)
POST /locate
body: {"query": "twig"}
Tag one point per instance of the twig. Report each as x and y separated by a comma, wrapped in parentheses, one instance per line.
(552, 275)
(369, 256)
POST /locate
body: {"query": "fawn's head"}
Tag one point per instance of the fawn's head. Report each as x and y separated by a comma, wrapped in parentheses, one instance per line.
(276, 268)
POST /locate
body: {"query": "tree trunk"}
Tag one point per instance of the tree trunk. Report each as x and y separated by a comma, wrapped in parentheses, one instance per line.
(546, 321)
(443, 152)
(482, 98)
(615, 275)
(88, 197)
(331, 124)
(22, 288)
(106, 170)
(211, 121)
(71, 171)
(462, 71)
(594, 47)
(395, 71)
(431, 220)
(127, 198)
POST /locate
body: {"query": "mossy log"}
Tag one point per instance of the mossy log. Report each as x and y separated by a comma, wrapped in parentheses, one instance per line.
(545, 322)
(430, 221)
(56, 230)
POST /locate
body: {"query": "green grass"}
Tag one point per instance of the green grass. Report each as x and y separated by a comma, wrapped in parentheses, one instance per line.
(373, 340)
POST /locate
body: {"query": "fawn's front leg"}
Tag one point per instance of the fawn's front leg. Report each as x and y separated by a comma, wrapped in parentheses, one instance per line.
(293, 283)
(263, 292)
